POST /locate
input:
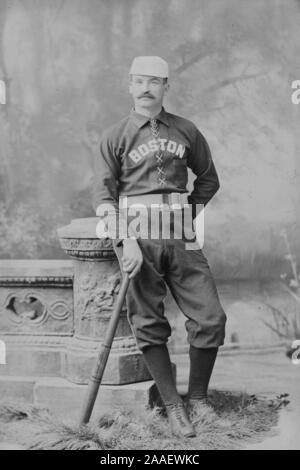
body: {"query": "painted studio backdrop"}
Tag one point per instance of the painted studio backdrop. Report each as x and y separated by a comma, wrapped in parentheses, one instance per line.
(65, 66)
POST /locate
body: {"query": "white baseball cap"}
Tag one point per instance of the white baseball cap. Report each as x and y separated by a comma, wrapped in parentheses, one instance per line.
(149, 65)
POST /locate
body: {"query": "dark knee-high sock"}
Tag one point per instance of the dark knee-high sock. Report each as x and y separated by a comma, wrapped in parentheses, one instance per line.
(201, 366)
(158, 361)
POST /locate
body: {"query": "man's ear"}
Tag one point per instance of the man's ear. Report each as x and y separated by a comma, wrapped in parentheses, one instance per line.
(167, 86)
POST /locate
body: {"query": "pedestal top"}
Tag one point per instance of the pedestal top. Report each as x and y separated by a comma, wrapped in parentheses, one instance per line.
(80, 228)
(79, 240)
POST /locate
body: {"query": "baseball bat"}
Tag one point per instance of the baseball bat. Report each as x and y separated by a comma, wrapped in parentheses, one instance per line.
(99, 368)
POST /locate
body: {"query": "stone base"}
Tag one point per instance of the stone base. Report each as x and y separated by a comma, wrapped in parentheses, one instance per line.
(34, 355)
(33, 362)
(66, 399)
(70, 358)
(125, 365)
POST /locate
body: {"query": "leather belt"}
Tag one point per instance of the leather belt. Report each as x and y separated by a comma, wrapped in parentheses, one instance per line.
(173, 200)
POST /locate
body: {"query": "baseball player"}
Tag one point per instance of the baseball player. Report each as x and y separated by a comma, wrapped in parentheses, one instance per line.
(143, 162)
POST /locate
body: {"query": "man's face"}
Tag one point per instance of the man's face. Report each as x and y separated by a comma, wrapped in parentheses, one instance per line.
(147, 91)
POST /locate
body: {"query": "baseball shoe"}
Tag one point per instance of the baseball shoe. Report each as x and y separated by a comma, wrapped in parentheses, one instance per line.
(180, 424)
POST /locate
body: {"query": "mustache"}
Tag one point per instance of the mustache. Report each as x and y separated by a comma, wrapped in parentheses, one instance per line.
(146, 95)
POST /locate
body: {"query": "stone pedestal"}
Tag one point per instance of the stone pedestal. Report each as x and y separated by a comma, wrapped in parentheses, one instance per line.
(97, 279)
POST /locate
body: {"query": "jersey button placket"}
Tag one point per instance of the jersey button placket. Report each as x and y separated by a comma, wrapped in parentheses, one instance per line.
(159, 154)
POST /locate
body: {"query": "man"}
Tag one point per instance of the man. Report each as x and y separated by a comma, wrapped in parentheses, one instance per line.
(143, 160)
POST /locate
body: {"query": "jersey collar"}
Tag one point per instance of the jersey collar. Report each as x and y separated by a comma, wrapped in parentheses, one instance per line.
(140, 120)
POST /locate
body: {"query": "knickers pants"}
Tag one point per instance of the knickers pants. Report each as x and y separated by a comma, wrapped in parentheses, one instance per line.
(188, 276)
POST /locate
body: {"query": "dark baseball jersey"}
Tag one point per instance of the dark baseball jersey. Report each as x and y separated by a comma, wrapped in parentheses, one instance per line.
(127, 165)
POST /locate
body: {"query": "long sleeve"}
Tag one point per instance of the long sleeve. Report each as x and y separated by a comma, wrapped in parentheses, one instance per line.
(105, 191)
(206, 183)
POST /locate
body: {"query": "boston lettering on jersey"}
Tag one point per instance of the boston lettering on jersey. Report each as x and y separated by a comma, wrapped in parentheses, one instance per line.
(152, 146)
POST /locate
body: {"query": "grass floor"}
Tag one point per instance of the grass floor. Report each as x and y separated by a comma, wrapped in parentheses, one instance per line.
(237, 420)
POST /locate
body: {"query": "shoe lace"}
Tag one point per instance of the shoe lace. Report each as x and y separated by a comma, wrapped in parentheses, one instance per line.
(179, 413)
